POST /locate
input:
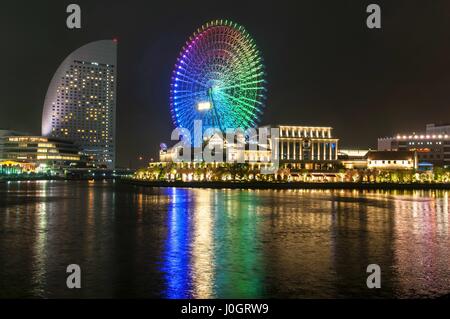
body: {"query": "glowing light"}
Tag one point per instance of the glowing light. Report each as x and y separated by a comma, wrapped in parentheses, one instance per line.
(203, 106)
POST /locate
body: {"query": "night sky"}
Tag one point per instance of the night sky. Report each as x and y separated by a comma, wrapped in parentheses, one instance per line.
(324, 66)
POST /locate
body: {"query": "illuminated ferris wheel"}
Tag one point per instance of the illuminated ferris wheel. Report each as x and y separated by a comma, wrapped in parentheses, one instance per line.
(219, 78)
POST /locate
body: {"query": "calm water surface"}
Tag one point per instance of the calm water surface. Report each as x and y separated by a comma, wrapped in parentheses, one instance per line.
(202, 243)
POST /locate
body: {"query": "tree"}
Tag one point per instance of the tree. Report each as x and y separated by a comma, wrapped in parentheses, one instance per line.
(438, 174)
(238, 170)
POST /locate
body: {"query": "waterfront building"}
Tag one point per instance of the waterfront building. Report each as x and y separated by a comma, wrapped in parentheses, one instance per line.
(80, 104)
(392, 160)
(307, 147)
(304, 153)
(38, 151)
(302, 147)
(353, 158)
(3, 135)
(258, 157)
(432, 146)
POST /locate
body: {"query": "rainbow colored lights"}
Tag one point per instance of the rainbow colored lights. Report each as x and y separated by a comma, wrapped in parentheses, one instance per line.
(219, 78)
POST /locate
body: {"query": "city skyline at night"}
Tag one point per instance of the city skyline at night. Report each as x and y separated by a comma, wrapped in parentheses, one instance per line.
(328, 70)
(225, 159)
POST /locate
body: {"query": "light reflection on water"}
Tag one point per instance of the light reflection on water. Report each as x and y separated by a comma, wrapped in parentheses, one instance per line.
(202, 243)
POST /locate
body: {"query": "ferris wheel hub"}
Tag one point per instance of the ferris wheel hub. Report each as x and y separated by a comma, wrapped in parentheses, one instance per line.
(204, 106)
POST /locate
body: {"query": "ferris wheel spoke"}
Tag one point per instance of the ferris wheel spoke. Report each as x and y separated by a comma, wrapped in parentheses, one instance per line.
(235, 99)
(180, 97)
(239, 82)
(240, 111)
(192, 80)
(228, 112)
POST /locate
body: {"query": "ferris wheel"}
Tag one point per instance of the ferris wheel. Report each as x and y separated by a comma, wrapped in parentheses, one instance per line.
(219, 78)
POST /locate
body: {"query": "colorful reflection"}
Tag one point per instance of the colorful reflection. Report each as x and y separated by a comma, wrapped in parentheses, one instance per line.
(421, 245)
(176, 260)
(203, 261)
(202, 243)
(238, 253)
(211, 249)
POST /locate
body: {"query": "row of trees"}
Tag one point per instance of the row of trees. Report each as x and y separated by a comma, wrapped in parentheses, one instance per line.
(438, 175)
(244, 172)
(236, 172)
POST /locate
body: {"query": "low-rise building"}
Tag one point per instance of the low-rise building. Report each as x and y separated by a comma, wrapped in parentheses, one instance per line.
(300, 151)
(392, 160)
(353, 158)
(38, 150)
(308, 147)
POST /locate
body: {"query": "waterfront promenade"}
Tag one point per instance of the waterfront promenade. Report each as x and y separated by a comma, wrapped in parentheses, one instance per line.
(288, 185)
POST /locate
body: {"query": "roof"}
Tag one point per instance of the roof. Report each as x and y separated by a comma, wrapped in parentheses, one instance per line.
(11, 133)
(307, 127)
(352, 153)
(390, 155)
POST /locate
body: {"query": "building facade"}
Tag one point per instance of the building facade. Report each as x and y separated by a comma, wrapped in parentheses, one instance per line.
(353, 158)
(392, 160)
(3, 135)
(300, 149)
(443, 129)
(39, 150)
(80, 104)
(432, 146)
(307, 147)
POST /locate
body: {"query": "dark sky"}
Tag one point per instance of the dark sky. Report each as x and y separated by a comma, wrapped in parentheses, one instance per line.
(324, 66)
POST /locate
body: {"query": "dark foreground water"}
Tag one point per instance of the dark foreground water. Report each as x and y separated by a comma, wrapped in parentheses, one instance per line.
(202, 243)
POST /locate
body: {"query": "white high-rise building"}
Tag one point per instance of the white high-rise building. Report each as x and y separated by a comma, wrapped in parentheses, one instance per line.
(80, 104)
